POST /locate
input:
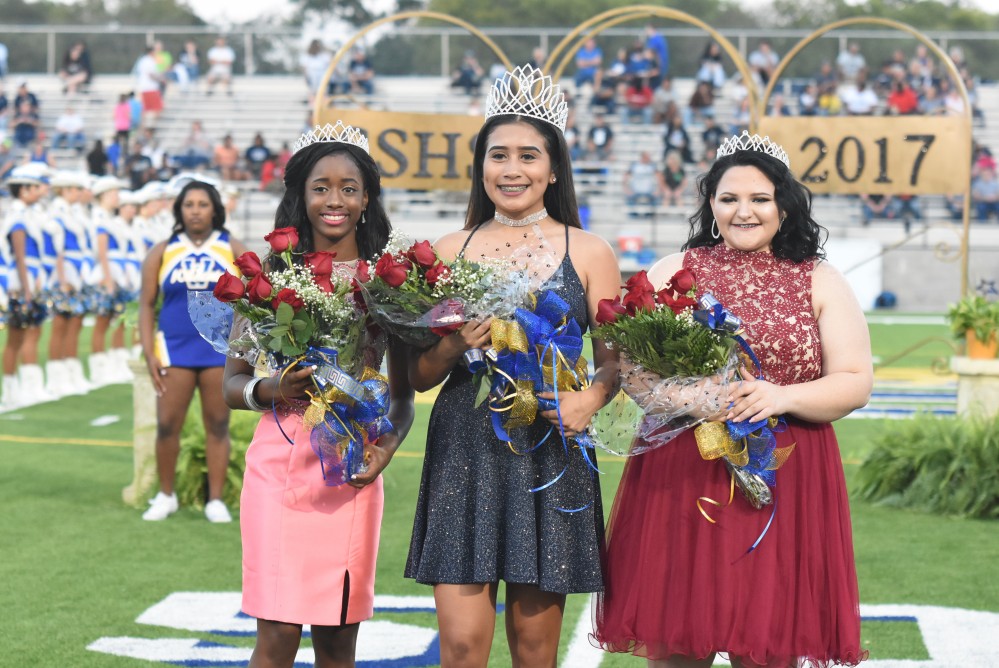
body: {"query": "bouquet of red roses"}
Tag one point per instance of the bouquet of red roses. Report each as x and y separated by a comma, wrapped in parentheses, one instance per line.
(678, 356)
(305, 314)
(418, 297)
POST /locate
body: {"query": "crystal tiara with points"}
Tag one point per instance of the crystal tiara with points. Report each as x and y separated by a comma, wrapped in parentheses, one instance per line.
(527, 91)
(748, 142)
(338, 132)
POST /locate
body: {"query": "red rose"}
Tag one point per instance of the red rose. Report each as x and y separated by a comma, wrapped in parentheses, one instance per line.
(289, 297)
(422, 253)
(447, 317)
(437, 272)
(228, 288)
(248, 264)
(325, 284)
(320, 262)
(282, 239)
(394, 272)
(362, 272)
(445, 330)
(259, 289)
(676, 304)
(609, 310)
(641, 296)
(358, 296)
(682, 281)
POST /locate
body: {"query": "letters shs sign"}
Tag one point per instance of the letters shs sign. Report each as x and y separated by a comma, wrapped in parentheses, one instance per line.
(898, 155)
(414, 150)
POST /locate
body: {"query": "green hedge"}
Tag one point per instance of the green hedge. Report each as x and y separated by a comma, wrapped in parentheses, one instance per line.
(192, 469)
(947, 465)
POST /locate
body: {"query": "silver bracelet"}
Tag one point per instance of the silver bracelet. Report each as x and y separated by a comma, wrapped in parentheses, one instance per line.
(251, 403)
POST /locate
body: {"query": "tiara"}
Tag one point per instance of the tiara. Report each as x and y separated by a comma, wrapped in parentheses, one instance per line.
(527, 91)
(748, 142)
(340, 133)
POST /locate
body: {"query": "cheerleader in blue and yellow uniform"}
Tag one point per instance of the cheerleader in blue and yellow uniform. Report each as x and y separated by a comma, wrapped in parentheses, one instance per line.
(66, 237)
(198, 251)
(22, 241)
(111, 236)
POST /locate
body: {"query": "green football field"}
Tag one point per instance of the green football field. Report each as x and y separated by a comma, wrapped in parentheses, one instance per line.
(79, 567)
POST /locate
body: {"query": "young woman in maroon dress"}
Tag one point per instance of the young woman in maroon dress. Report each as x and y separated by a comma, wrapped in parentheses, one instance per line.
(680, 589)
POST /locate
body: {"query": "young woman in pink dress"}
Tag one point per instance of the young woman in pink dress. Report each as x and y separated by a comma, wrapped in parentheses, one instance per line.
(309, 550)
(680, 589)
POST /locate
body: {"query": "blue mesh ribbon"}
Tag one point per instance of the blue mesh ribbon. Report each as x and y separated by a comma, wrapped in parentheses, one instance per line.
(212, 318)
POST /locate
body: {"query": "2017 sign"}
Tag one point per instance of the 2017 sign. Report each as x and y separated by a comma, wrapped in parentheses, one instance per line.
(883, 154)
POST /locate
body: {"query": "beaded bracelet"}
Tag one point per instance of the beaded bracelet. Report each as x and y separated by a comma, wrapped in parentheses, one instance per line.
(251, 403)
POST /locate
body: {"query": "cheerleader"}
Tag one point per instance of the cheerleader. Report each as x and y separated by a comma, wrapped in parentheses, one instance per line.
(112, 237)
(66, 245)
(22, 243)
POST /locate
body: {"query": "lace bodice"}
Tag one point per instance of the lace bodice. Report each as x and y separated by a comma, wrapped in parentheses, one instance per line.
(774, 299)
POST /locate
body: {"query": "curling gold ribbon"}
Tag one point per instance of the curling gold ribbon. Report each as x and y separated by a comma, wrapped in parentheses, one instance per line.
(707, 499)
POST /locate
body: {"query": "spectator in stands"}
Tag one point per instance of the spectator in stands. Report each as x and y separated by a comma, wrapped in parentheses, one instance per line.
(139, 167)
(859, 100)
(314, 63)
(148, 81)
(604, 98)
(122, 118)
(164, 63)
(538, 58)
(360, 73)
(808, 100)
(777, 106)
(469, 74)
(116, 157)
(637, 102)
(4, 113)
(25, 95)
(876, 206)
(589, 64)
(641, 64)
(985, 194)
(600, 140)
(711, 68)
(76, 71)
(226, 160)
(38, 153)
(196, 151)
(672, 180)
(931, 103)
(656, 42)
(971, 85)
(572, 138)
(220, 61)
(902, 100)
(701, 104)
(826, 79)
(97, 160)
(851, 64)
(955, 206)
(4, 55)
(165, 170)
(713, 135)
(675, 138)
(25, 124)
(907, 208)
(69, 131)
(663, 101)
(190, 59)
(741, 117)
(640, 184)
(763, 61)
(953, 103)
(7, 159)
(921, 64)
(256, 155)
(151, 145)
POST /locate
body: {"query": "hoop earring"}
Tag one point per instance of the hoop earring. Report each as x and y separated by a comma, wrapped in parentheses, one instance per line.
(715, 232)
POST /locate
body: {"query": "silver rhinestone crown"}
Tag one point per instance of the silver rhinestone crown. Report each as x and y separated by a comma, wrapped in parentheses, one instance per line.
(527, 91)
(748, 142)
(338, 132)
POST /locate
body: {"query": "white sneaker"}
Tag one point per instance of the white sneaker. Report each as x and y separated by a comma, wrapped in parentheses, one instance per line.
(99, 369)
(56, 378)
(78, 383)
(161, 507)
(10, 398)
(216, 512)
(31, 384)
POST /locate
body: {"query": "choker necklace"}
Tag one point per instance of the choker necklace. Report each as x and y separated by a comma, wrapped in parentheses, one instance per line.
(523, 222)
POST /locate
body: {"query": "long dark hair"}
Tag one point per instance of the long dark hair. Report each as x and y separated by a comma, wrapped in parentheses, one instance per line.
(799, 237)
(218, 209)
(560, 197)
(371, 236)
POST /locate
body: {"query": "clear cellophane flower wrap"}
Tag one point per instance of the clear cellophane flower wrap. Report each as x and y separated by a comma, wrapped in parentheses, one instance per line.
(678, 357)
(416, 296)
(294, 315)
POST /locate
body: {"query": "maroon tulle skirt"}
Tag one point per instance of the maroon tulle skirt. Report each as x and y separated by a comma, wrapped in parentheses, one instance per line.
(675, 584)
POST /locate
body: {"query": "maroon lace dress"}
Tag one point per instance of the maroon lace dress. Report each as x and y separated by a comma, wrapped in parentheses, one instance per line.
(677, 584)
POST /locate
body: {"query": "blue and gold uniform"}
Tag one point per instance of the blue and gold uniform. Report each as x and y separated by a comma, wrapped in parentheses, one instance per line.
(186, 267)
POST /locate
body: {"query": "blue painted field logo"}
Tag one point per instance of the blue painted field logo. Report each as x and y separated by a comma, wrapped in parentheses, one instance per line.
(380, 644)
(954, 638)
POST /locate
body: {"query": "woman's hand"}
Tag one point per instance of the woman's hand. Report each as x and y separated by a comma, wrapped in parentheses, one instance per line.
(473, 334)
(576, 407)
(293, 384)
(156, 373)
(377, 456)
(754, 400)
